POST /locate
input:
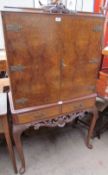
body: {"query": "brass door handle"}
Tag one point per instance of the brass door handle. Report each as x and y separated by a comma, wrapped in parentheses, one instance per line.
(62, 63)
(17, 68)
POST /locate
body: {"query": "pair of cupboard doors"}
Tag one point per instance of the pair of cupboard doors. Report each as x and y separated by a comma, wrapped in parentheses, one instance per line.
(52, 58)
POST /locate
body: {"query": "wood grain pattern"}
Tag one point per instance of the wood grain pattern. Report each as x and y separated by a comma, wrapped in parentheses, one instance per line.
(81, 51)
(35, 48)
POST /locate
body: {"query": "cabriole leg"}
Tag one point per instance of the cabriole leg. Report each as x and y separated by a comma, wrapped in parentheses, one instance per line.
(91, 128)
(17, 132)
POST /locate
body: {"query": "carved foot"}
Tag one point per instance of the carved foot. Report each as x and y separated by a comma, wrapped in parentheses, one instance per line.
(89, 145)
(22, 170)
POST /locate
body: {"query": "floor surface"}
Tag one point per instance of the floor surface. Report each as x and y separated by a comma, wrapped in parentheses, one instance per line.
(60, 151)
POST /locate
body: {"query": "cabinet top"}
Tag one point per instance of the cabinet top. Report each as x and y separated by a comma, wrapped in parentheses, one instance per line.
(43, 11)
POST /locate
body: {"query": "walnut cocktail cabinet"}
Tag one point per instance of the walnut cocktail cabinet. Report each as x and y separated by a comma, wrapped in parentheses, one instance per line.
(53, 62)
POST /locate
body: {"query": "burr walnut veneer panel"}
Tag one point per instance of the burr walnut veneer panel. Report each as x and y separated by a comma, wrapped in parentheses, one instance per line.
(52, 57)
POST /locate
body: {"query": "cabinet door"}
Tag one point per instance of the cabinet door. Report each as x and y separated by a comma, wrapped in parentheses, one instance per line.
(32, 52)
(81, 38)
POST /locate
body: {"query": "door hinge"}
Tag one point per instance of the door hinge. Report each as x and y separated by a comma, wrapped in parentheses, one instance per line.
(97, 28)
(94, 61)
(21, 100)
(17, 68)
(13, 27)
(91, 87)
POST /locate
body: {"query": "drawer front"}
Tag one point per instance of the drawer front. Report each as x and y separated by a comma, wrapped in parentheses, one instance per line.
(36, 115)
(79, 105)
